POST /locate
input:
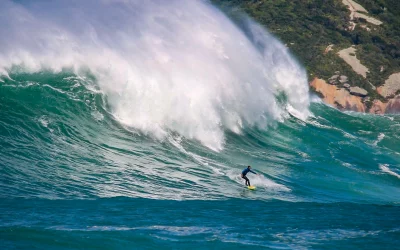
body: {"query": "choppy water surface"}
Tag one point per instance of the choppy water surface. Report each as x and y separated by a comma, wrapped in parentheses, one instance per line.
(128, 128)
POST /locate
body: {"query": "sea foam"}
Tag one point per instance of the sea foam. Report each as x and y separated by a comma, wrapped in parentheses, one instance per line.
(164, 66)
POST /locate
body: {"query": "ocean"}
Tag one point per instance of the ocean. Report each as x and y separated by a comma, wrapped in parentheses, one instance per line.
(127, 125)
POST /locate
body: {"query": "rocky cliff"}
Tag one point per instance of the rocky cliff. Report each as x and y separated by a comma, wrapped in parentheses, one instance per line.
(353, 98)
(359, 38)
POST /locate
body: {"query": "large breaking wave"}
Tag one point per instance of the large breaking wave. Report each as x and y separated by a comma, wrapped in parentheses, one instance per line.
(164, 66)
(79, 76)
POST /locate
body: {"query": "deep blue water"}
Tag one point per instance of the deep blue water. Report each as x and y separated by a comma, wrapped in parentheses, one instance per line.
(125, 223)
(69, 180)
(126, 126)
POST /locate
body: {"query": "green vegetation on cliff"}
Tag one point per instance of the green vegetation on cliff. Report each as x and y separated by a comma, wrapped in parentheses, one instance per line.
(308, 27)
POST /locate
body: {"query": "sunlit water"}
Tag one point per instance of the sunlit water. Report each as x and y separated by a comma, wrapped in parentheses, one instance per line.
(127, 126)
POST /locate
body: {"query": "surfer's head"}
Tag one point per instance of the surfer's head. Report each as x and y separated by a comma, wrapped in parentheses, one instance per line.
(248, 167)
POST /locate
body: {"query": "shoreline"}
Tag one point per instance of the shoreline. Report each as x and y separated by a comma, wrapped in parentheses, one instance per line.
(344, 99)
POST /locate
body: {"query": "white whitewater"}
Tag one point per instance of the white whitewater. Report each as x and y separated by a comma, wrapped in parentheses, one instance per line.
(176, 65)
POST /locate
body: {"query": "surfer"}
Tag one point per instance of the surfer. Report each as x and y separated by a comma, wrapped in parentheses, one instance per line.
(244, 172)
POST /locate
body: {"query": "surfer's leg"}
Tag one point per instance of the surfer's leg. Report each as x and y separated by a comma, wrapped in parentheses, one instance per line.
(247, 180)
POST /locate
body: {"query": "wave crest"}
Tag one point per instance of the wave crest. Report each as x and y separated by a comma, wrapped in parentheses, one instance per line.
(164, 65)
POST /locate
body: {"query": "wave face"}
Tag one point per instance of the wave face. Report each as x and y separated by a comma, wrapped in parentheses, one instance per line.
(132, 122)
(179, 66)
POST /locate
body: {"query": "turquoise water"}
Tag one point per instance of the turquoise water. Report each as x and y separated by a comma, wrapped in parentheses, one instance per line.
(73, 177)
(127, 127)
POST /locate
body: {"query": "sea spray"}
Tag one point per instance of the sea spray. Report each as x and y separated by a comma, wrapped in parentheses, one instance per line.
(72, 175)
(164, 66)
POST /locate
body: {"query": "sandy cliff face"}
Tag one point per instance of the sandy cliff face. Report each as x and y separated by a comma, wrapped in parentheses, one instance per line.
(342, 99)
(338, 97)
(341, 93)
(378, 107)
(393, 105)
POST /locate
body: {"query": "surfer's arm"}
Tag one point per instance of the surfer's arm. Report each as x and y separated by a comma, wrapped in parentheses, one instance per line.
(253, 172)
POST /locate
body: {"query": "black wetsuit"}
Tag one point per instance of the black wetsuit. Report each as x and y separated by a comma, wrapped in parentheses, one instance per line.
(244, 172)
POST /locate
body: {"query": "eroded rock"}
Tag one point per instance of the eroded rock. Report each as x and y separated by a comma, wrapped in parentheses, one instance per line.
(343, 79)
(345, 99)
(378, 107)
(337, 97)
(333, 80)
(393, 105)
(391, 86)
(357, 91)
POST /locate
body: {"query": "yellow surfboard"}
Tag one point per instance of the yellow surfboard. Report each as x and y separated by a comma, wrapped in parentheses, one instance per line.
(251, 187)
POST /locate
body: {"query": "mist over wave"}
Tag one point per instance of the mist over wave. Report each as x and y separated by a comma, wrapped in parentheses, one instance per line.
(113, 115)
(164, 66)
